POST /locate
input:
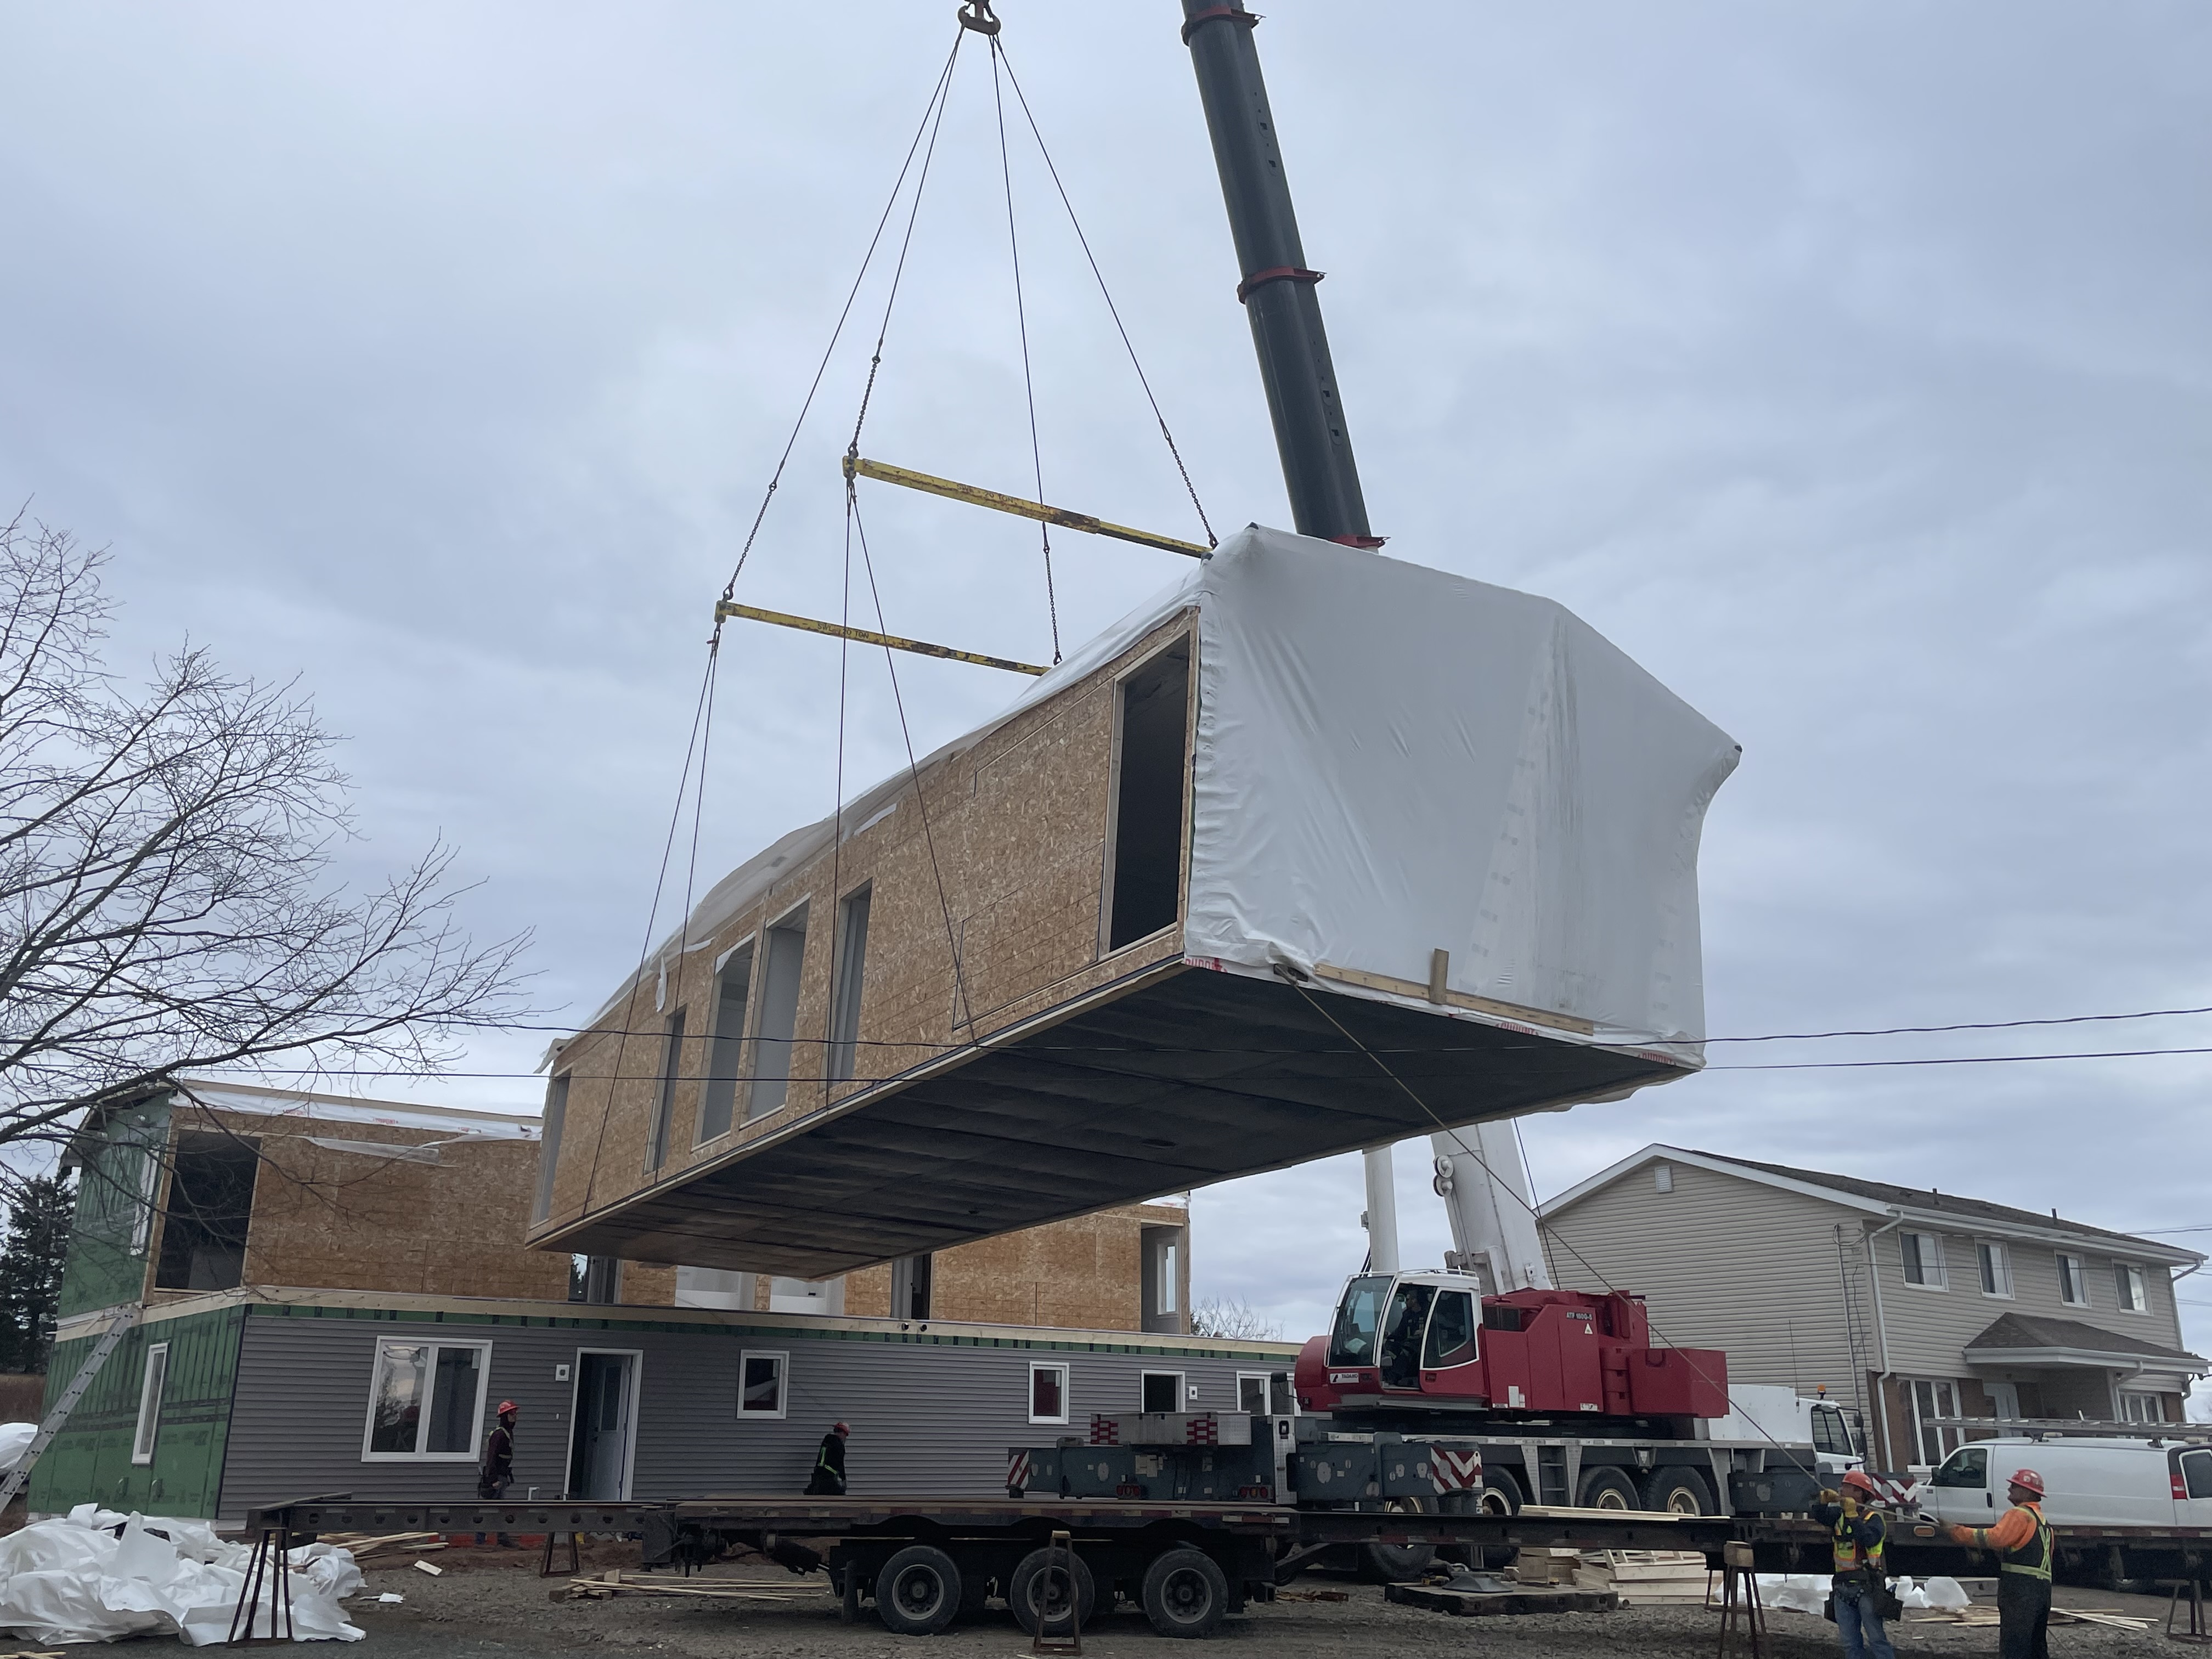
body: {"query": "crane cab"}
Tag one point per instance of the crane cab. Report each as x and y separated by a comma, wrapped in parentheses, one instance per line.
(1430, 1340)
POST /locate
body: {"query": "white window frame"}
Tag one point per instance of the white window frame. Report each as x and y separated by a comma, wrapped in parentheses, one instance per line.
(1943, 1402)
(2067, 1259)
(149, 1190)
(1996, 1253)
(2137, 1300)
(1261, 1377)
(1932, 1257)
(1183, 1387)
(151, 1382)
(2149, 1408)
(1266, 1380)
(1037, 1365)
(782, 1358)
(423, 1419)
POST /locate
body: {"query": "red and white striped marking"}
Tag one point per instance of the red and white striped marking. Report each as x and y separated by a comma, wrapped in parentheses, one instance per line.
(1202, 1429)
(1017, 1471)
(1105, 1431)
(1456, 1471)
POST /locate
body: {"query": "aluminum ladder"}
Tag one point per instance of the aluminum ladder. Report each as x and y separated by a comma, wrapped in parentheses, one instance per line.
(123, 1321)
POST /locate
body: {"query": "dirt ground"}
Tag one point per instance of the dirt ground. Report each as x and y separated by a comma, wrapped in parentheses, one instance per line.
(492, 1605)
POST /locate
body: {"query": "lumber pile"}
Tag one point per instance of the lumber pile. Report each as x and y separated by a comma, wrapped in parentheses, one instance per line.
(599, 1587)
(364, 1547)
(1979, 1617)
(1646, 1578)
(1544, 1566)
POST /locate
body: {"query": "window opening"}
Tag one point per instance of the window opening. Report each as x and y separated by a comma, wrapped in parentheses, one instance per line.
(1924, 1260)
(1161, 1391)
(760, 1384)
(2127, 1286)
(725, 1052)
(1997, 1271)
(1152, 760)
(910, 1287)
(149, 1403)
(1934, 1397)
(427, 1401)
(2072, 1288)
(1252, 1392)
(210, 1205)
(149, 1183)
(1048, 1393)
(548, 1145)
(852, 960)
(779, 1017)
(663, 1111)
(594, 1278)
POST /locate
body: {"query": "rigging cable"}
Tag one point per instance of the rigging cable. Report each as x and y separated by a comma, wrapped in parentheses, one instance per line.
(1022, 321)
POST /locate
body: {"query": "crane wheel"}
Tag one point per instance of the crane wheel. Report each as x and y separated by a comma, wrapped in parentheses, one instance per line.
(1185, 1593)
(918, 1591)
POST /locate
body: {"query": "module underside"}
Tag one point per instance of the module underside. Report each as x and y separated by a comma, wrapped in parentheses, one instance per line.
(1187, 1077)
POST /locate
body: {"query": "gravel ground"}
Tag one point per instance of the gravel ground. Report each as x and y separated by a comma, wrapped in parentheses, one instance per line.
(489, 1606)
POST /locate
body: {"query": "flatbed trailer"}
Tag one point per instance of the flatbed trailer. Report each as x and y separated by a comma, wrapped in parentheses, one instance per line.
(924, 1561)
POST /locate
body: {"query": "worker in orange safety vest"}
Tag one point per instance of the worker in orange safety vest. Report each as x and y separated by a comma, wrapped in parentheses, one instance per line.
(2022, 1540)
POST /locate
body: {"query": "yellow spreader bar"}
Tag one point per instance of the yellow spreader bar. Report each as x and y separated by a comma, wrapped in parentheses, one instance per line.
(858, 466)
(864, 637)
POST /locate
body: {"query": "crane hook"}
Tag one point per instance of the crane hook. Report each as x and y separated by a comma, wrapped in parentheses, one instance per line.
(976, 15)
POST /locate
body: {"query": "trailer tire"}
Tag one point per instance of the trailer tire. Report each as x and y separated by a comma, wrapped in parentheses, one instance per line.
(918, 1591)
(1679, 1492)
(1185, 1593)
(1500, 1493)
(1039, 1613)
(1605, 1488)
(1396, 1564)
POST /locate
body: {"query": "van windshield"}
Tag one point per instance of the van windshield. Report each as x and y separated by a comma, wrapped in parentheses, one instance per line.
(1969, 1466)
(1352, 1341)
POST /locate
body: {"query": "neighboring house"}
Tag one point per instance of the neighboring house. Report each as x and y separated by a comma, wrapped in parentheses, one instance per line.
(337, 1293)
(1928, 1305)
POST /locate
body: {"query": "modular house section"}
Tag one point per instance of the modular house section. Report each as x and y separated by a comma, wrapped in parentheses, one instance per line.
(1317, 851)
(213, 1407)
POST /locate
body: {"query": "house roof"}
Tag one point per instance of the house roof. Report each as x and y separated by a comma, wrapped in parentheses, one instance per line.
(1939, 1209)
(2026, 1336)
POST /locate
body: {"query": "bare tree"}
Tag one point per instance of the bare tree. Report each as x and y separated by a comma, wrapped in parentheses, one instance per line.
(166, 900)
(1233, 1317)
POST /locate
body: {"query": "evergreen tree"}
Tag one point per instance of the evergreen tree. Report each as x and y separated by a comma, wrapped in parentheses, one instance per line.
(30, 1262)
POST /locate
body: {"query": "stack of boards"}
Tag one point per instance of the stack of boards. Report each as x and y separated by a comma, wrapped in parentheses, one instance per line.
(1645, 1578)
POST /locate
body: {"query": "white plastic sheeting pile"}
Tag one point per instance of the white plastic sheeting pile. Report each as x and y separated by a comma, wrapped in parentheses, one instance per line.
(15, 1440)
(96, 1576)
(1807, 1592)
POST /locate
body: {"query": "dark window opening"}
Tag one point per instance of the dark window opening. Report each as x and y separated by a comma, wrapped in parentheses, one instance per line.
(852, 959)
(1162, 1391)
(548, 1146)
(718, 1105)
(910, 1277)
(773, 1047)
(663, 1111)
(594, 1278)
(1146, 880)
(210, 1204)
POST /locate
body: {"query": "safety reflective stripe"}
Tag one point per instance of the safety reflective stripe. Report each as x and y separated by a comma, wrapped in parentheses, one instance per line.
(2040, 1544)
(1847, 1551)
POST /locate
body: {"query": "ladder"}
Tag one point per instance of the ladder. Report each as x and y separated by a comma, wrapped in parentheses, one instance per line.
(120, 1325)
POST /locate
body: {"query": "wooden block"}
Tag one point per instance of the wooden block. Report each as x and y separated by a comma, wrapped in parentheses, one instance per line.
(1475, 1604)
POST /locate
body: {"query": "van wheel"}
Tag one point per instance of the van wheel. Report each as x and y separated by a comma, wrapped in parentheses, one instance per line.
(1607, 1489)
(1037, 1593)
(1678, 1492)
(918, 1591)
(1185, 1593)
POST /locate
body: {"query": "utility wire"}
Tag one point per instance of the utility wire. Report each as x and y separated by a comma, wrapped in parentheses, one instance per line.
(1022, 321)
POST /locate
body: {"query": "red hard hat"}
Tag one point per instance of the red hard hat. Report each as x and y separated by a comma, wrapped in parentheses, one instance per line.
(1860, 1479)
(847, 1428)
(2029, 1478)
(507, 1406)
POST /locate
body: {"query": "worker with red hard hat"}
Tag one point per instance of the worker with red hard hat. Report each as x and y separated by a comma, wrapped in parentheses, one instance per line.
(829, 1477)
(2023, 1542)
(1859, 1593)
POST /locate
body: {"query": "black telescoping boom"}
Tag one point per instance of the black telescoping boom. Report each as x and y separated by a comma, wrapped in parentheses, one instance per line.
(1276, 289)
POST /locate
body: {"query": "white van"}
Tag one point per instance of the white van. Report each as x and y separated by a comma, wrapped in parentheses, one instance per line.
(2088, 1482)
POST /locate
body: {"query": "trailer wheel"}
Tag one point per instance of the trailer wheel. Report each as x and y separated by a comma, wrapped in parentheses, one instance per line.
(1678, 1492)
(1500, 1494)
(1396, 1564)
(1607, 1489)
(1185, 1593)
(1037, 1593)
(918, 1591)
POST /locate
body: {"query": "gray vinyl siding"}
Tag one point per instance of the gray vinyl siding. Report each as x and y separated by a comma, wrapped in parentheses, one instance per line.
(928, 1416)
(1726, 1263)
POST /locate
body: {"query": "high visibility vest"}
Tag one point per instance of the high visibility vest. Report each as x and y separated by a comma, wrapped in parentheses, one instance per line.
(2032, 1559)
(1850, 1557)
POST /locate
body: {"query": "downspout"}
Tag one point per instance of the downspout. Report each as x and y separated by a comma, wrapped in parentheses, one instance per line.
(1882, 1334)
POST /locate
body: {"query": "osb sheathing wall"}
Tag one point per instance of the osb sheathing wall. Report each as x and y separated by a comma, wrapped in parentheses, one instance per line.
(1084, 1274)
(347, 1221)
(1017, 825)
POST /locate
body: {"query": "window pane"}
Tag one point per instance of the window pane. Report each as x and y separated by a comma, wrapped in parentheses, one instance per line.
(548, 1146)
(850, 966)
(149, 1403)
(1252, 1394)
(453, 1399)
(1451, 1330)
(773, 1052)
(761, 1387)
(2196, 1472)
(718, 1104)
(1914, 1272)
(663, 1111)
(1281, 1398)
(399, 1375)
(1047, 1395)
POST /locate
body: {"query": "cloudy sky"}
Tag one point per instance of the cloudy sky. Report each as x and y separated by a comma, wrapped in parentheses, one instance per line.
(1847, 364)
